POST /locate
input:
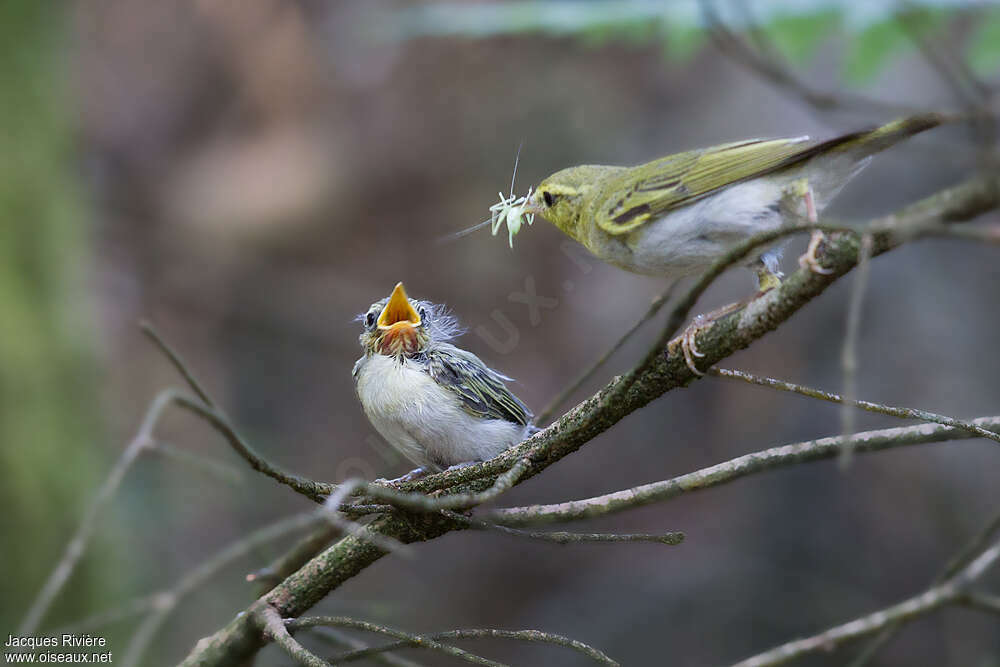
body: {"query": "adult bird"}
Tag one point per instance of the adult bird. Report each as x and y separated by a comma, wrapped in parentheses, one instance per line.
(675, 216)
(437, 404)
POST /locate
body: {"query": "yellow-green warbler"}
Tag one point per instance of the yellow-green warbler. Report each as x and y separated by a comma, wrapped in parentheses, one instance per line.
(675, 216)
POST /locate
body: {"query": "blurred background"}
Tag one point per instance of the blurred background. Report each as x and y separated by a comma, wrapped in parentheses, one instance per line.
(250, 176)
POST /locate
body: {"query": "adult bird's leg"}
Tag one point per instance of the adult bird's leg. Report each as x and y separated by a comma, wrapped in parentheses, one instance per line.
(802, 190)
(768, 277)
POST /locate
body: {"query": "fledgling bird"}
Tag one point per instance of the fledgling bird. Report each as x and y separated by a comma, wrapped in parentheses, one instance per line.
(437, 404)
(675, 216)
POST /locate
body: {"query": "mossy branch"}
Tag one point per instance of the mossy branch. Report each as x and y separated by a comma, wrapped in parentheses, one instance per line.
(658, 373)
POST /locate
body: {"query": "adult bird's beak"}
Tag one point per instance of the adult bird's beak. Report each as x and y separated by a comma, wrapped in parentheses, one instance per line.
(533, 205)
(398, 313)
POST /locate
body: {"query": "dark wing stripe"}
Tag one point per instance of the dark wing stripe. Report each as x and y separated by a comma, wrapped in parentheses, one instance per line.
(481, 390)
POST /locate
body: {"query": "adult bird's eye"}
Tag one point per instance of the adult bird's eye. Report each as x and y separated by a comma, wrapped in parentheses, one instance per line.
(370, 319)
(547, 196)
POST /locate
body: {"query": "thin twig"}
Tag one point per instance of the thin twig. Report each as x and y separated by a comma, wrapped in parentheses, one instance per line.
(420, 502)
(346, 558)
(723, 473)
(949, 592)
(273, 627)
(560, 398)
(983, 602)
(420, 641)
(208, 410)
(296, 557)
(485, 633)
(168, 600)
(880, 408)
(340, 639)
(316, 491)
(774, 72)
(958, 561)
(218, 469)
(849, 352)
(383, 542)
(129, 609)
(672, 538)
(150, 331)
(78, 544)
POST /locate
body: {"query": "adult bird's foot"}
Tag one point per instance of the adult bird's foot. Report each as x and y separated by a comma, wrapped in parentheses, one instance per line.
(686, 341)
(802, 190)
(809, 260)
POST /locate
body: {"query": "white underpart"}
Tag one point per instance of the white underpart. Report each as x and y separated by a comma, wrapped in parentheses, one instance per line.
(686, 241)
(424, 421)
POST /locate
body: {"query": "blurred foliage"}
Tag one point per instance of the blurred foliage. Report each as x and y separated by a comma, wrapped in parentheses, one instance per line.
(872, 31)
(47, 402)
(984, 46)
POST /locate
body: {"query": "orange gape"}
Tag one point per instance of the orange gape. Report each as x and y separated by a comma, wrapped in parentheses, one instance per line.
(399, 339)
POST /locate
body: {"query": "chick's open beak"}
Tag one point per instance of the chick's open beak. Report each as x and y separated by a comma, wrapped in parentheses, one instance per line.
(398, 312)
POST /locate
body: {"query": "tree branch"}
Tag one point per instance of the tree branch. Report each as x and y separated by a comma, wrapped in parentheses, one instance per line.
(658, 374)
(951, 591)
(78, 544)
(483, 633)
(880, 408)
(408, 638)
(672, 538)
(723, 473)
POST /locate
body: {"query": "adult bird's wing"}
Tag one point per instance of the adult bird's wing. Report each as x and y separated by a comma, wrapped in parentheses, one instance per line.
(681, 179)
(481, 389)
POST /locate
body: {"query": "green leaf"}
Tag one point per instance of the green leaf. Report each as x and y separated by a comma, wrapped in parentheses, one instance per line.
(798, 37)
(983, 50)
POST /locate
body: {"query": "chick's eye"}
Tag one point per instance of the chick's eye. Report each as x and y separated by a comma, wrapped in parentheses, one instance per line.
(422, 313)
(547, 196)
(370, 319)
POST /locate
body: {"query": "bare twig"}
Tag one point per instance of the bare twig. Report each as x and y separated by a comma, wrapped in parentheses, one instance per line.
(960, 560)
(880, 408)
(411, 639)
(273, 627)
(77, 545)
(129, 609)
(168, 600)
(296, 557)
(621, 396)
(770, 69)
(341, 639)
(316, 491)
(849, 352)
(486, 633)
(672, 538)
(207, 409)
(982, 601)
(419, 502)
(651, 312)
(949, 592)
(723, 473)
(217, 469)
(150, 332)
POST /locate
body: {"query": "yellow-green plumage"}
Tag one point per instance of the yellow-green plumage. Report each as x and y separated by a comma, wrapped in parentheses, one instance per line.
(674, 215)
